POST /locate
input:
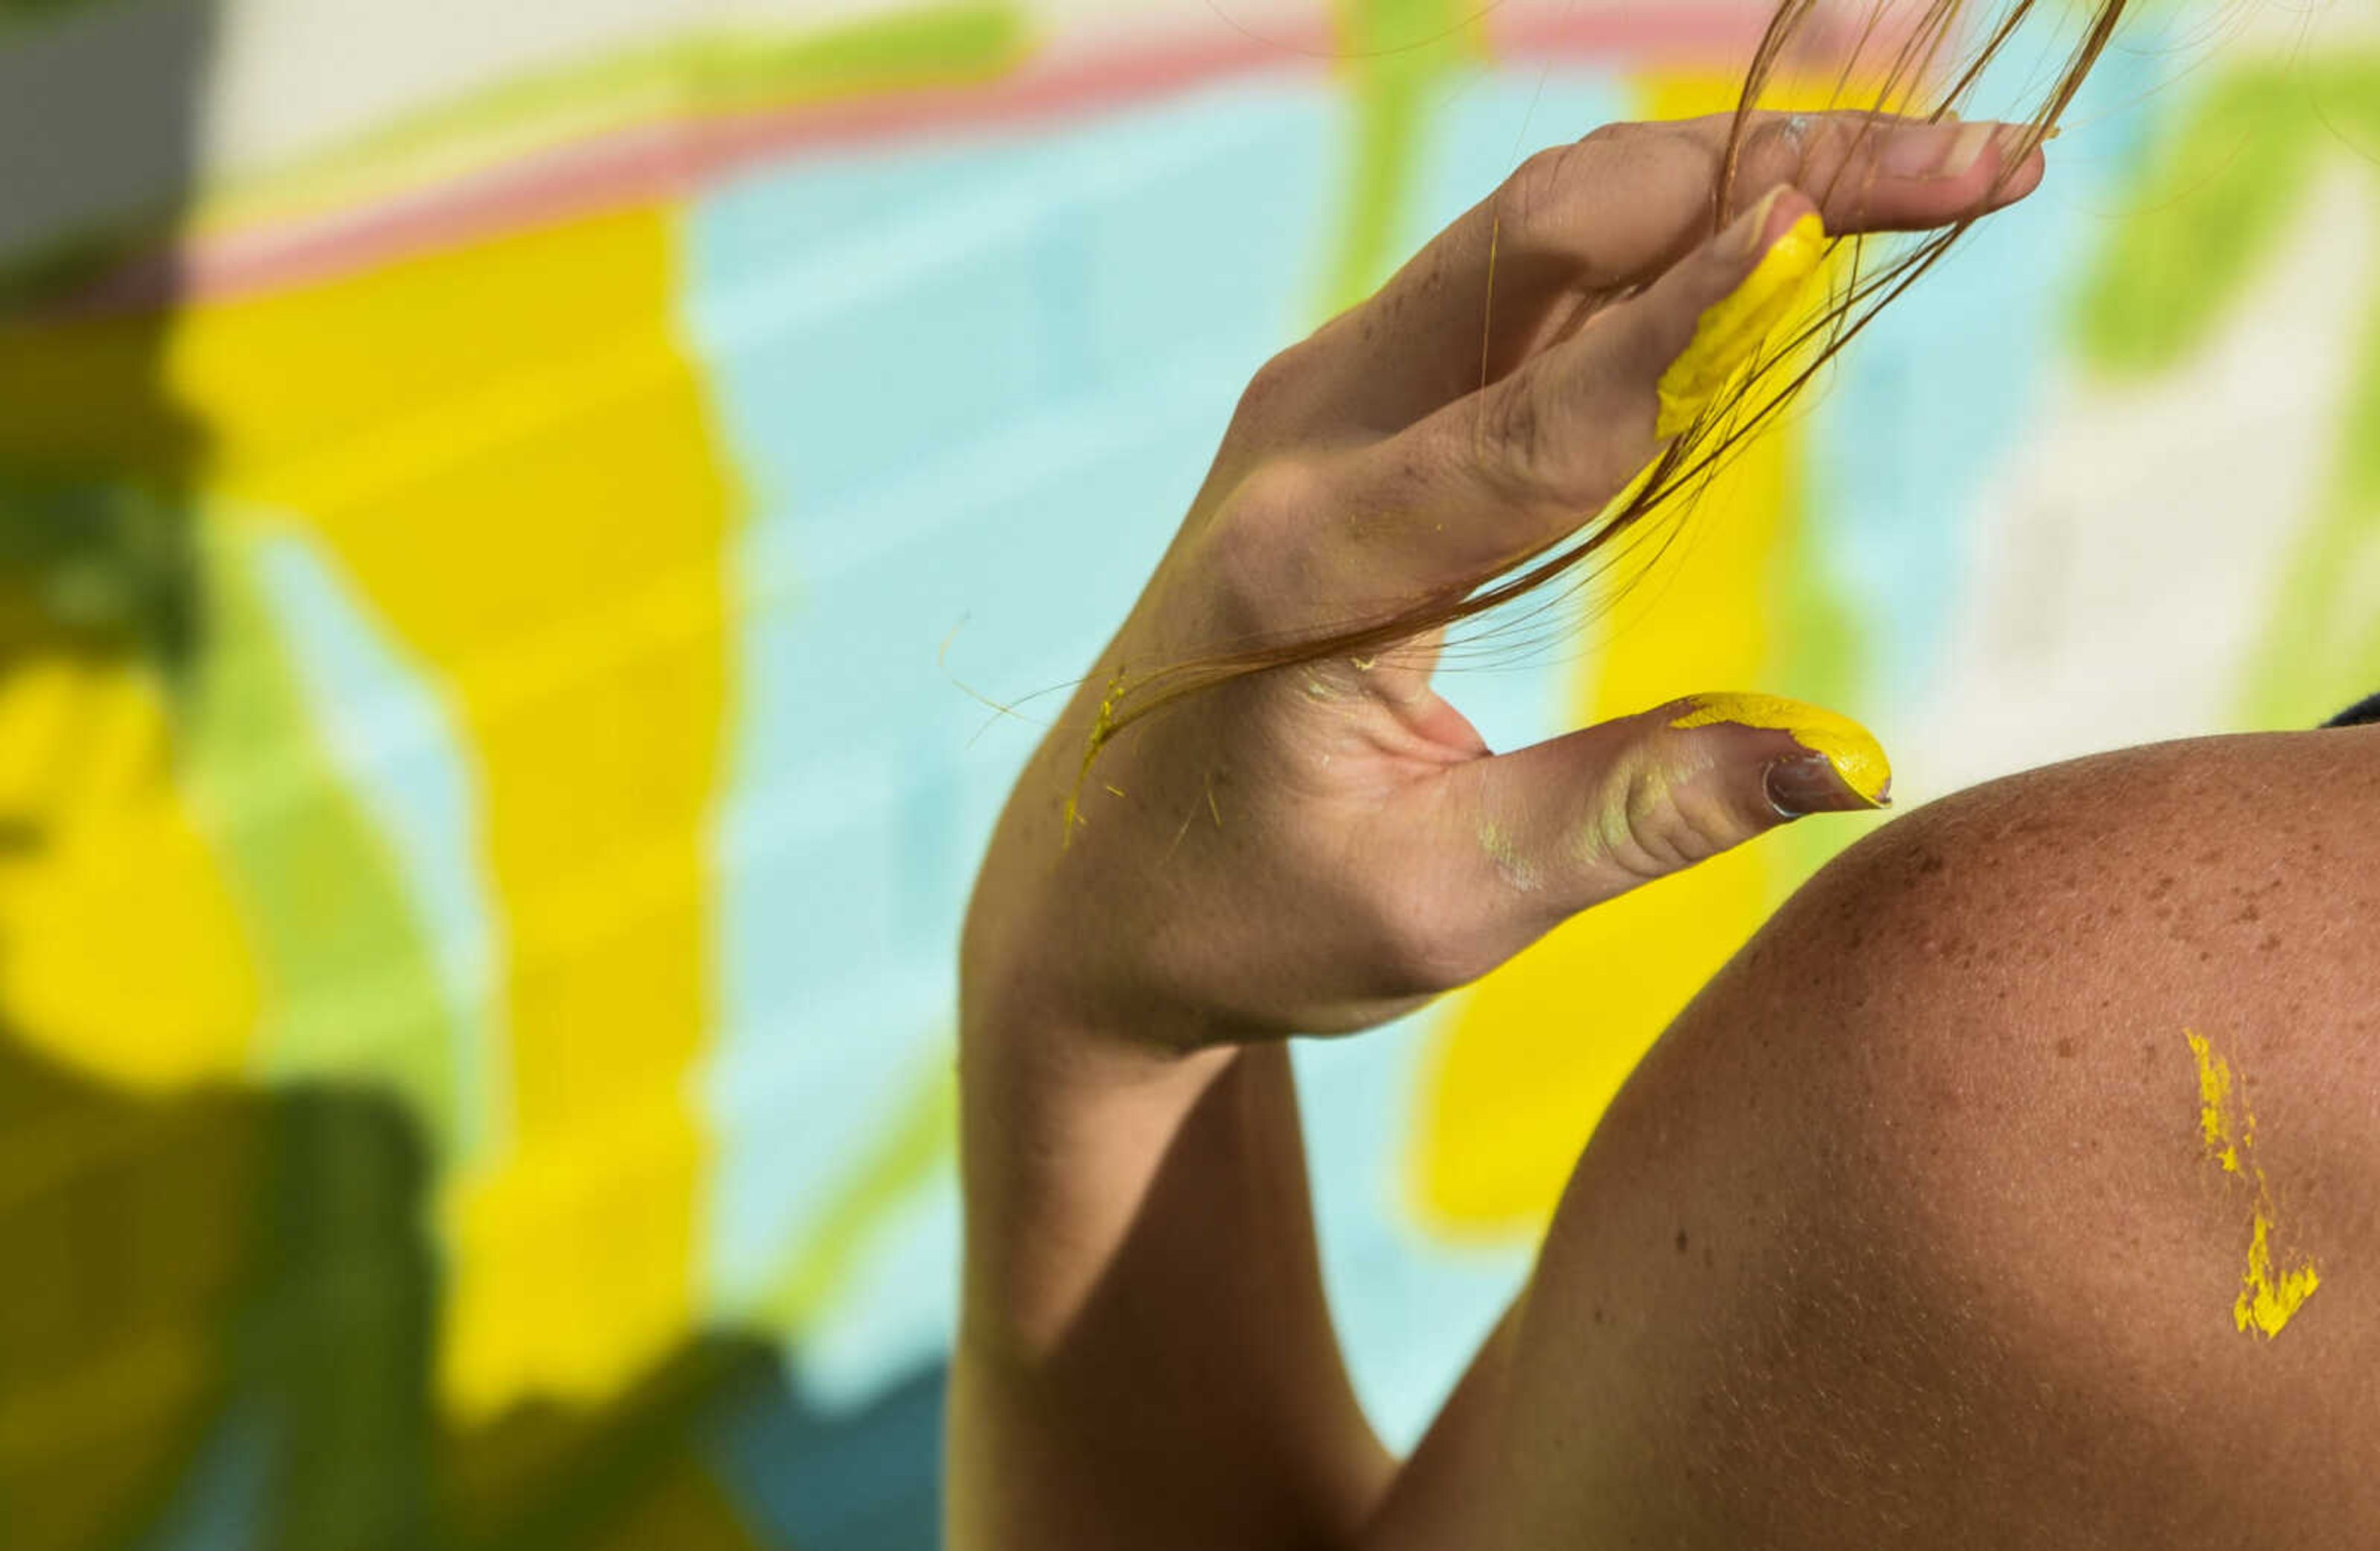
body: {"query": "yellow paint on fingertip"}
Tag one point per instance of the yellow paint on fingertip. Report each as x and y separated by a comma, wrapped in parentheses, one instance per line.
(2269, 1297)
(1733, 328)
(1849, 747)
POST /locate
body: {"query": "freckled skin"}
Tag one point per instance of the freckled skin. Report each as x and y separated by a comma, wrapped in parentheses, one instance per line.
(1963, 1276)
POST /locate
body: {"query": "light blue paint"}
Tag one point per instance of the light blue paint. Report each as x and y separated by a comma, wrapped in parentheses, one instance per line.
(1410, 1310)
(1934, 395)
(895, 1316)
(969, 420)
(391, 740)
(1511, 671)
(227, 1491)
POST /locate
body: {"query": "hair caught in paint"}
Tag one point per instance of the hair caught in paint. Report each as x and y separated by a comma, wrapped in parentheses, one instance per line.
(1905, 61)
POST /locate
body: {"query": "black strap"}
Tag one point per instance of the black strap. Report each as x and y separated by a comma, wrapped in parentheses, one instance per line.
(2357, 715)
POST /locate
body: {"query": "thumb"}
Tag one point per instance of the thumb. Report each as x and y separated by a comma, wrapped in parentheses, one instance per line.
(1580, 819)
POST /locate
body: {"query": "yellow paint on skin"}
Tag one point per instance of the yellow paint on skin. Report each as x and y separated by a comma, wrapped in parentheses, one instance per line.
(2266, 1301)
(1851, 748)
(1732, 329)
(2269, 1297)
(1496, 843)
(2214, 1102)
(1070, 817)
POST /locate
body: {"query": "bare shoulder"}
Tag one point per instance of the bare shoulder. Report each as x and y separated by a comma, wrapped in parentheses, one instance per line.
(2019, 1184)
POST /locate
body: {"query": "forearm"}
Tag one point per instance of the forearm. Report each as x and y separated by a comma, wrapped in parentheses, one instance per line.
(1145, 1356)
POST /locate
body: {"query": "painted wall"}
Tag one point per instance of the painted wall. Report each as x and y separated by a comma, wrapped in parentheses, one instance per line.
(508, 517)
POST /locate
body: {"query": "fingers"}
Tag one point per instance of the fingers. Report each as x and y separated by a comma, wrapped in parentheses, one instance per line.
(1497, 476)
(1615, 209)
(1578, 819)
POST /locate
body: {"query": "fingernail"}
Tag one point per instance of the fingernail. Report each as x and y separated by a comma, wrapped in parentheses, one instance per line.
(1745, 233)
(1938, 151)
(1852, 755)
(1809, 783)
(1730, 330)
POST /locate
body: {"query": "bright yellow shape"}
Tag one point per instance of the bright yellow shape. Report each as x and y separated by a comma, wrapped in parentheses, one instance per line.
(2266, 1301)
(1733, 329)
(2269, 1296)
(126, 958)
(2214, 1102)
(505, 453)
(1525, 1062)
(1849, 747)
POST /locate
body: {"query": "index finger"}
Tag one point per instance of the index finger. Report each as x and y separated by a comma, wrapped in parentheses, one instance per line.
(1613, 211)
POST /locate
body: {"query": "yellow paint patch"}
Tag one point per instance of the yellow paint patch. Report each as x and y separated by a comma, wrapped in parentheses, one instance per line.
(1730, 330)
(505, 453)
(2214, 1102)
(2269, 1295)
(126, 957)
(1849, 747)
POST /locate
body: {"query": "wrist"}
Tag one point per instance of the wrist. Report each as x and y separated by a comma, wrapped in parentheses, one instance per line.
(1066, 1123)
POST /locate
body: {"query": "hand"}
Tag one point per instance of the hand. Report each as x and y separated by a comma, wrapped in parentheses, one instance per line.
(1321, 847)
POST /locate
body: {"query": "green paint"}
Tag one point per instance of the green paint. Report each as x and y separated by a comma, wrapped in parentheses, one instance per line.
(1396, 55)
(1821, 653)
(701, 74)
(337, 1343)
(350, 990)
(39, 10)
(2319, 651)
(711, 72)
(907, 1153)
(730, 72)
(2211, 200)
(2211, 203)
(101, 567)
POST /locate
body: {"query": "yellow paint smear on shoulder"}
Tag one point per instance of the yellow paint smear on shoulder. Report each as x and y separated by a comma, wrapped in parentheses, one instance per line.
(2269, 1296)
(2214, 1102)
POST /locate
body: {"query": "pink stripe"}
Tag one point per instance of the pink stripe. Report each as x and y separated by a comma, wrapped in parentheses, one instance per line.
(651, 164)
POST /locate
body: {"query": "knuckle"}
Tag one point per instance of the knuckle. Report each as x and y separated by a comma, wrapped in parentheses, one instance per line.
(1775, 143)
(1281, 494)
(1513, 427)
(1259, 548)
(1651, 825)
(1528, 449)
(1274, 389)
(1528, 203)
(1608, 137)
(1781, 148)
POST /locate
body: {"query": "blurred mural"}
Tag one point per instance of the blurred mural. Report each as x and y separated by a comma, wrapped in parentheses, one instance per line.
(506, 515)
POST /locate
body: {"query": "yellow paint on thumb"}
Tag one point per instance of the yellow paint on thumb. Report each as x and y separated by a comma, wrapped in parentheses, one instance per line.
(1849, 747)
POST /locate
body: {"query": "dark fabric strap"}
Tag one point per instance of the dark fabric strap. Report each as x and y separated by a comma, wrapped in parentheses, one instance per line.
(2364, 710)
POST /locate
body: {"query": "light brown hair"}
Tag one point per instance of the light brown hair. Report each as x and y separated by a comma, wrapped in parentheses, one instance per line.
(1921, 62)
